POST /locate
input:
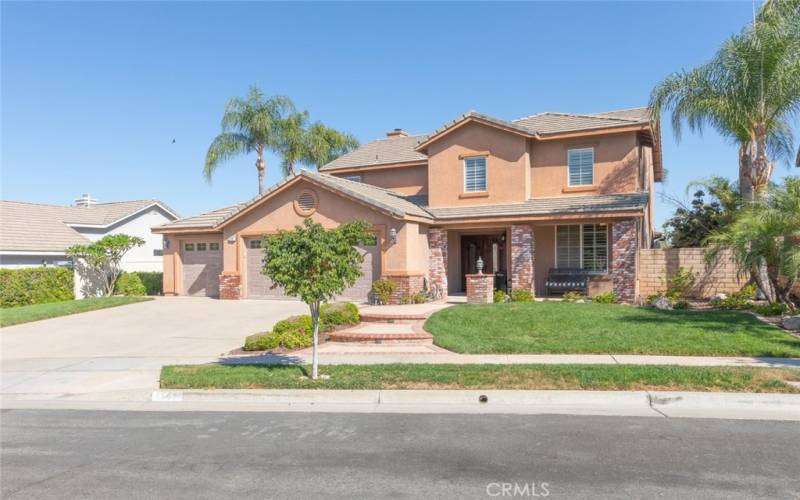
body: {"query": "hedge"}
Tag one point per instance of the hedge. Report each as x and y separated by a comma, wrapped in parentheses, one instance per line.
(36, 285)
(153, 282)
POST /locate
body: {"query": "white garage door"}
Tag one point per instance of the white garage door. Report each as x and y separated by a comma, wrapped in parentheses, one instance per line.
(260, 287)
(202, 265)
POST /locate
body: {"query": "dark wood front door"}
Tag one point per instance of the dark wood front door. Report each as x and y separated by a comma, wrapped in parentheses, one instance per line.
(490, 248)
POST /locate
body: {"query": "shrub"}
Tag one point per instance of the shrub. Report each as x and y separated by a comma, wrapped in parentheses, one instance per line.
(680, 304)
(338, 314)
(297, 324)
(272, 340)
(500, 296)
(605, 298)
(36, 285)
(129, 284)
(572, 296)
(405, 299)
(736, 300)
(776, 309)
(680, 283)
(419, 298)
(383, 290)
(153, 282)
(521, 295)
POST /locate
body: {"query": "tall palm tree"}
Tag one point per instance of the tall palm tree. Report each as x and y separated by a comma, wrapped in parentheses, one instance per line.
(324, 144)
(249, 125)
(749, 92)
(292, 141)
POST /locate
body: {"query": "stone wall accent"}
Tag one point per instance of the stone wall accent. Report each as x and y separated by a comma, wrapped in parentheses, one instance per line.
(406, 286)
(522, 257)
(624, 246)
(658, 265)
(437, 263)
(480, 288)
(230, 286)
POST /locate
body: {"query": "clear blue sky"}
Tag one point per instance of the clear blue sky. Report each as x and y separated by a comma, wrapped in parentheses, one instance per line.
(93, 94)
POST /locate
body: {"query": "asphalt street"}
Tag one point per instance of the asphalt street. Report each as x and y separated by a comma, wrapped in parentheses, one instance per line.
(126, 455)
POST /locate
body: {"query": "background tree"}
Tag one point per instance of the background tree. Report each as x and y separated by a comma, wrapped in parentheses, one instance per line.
(690, 226)
(316, 265)
(292, 141)
(767, 231)
(749, 92)
(324, 144)
(104, 256)
(252, 124)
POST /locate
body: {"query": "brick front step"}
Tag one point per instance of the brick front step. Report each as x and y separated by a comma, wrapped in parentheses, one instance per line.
(382, 338)
(392, 318)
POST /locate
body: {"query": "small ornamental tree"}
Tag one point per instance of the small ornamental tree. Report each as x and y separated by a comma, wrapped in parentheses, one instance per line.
(315, 265)
(104, 255)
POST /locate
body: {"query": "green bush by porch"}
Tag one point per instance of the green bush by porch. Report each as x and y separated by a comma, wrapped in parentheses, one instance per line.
(411, 376)
(558, 327)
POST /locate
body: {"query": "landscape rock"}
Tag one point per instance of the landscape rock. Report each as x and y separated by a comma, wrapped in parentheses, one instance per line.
(662, 303)
(792, 323)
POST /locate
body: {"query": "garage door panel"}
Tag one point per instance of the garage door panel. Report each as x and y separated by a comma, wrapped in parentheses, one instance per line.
(201, 270)
(259, 286)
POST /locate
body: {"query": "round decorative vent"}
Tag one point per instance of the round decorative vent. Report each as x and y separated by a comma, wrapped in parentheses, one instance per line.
(306, 203)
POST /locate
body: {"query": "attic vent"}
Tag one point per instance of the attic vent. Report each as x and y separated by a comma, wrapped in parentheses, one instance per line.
(306, 203)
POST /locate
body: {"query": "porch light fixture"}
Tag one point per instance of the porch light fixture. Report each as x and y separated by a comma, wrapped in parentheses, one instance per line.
(393, 235)
(479, 265)
(165, 243)
(232, 239)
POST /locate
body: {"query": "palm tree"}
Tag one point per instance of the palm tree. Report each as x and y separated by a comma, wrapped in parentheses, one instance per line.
(292, 141)
(324, 144)
(766, 233)
(248, 125)
(749, 92)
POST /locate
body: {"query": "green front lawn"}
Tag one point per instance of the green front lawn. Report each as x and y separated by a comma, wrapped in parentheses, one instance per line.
(23, 314)
(584, 377)
(561, 327)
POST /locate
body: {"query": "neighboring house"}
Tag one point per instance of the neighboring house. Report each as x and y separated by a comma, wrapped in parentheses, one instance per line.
(545, 191)
(35, 234)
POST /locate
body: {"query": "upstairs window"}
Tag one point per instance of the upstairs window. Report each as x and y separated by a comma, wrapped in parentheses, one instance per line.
(582, 246)
(475, 174)
(580, 163)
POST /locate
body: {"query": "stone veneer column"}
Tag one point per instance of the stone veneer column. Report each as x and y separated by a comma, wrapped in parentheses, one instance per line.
(437, 261)
(230, 286)
(522, 257)
(624, 245)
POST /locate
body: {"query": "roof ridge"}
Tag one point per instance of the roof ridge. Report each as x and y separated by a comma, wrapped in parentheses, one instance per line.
(626, 109)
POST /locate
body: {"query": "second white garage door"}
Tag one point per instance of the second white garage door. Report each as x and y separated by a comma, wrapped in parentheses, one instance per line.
(259, 286)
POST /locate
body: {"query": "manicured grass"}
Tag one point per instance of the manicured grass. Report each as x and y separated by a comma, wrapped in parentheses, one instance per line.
(586, 377)
(561, 327)
(23, 314)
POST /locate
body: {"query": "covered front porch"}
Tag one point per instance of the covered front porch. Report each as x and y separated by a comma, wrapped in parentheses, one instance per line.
(520, 255)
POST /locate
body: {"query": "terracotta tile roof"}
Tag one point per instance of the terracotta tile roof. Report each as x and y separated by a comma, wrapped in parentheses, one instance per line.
(399, 149)
(548, 206)
(40, 227)
(204, 220)
(402, 149)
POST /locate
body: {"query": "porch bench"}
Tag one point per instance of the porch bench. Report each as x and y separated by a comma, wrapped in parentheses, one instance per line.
(567, 280)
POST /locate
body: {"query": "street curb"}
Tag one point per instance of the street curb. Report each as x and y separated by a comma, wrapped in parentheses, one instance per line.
(664, 404)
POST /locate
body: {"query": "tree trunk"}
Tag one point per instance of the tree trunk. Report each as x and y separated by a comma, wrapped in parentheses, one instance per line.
(260, 167)
(315, 328)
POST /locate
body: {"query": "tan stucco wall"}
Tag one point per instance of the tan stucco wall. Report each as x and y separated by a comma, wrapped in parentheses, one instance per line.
(404, 180)
(507, 165)
(616, 165)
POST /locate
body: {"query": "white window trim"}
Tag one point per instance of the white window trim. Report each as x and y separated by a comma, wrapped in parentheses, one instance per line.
(569, 182)
(485, 173)
(580, 243)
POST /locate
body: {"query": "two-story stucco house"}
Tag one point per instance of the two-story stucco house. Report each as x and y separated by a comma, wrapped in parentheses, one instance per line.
(551, 190)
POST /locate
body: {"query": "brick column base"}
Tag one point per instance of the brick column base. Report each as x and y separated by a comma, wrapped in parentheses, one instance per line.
(437, 264)
(406, 286)
(480, 288)
(624, 246)
(230, 286)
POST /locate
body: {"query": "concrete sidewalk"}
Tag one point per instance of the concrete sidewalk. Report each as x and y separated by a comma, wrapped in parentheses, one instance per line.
(332, 353)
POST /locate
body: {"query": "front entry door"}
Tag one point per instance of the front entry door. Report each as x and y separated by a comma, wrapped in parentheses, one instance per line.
(490, 248)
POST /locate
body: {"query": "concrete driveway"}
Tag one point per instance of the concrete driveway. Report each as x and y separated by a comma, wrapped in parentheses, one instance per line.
(119, 351)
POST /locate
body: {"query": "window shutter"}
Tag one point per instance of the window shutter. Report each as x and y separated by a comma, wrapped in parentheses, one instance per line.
(581, 166)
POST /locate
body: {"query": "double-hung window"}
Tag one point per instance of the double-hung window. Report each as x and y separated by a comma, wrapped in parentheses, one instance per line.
(475, 174)
(582, 246)
(580, 164)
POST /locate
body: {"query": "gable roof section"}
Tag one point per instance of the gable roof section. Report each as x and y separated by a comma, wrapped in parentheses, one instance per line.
(400, 149)
(554, 123)
(548, 206)
(37, 227)
(380, 199)
(474, 116)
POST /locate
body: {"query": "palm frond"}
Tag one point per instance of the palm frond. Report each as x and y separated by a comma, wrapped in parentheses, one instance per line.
(224, 147)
